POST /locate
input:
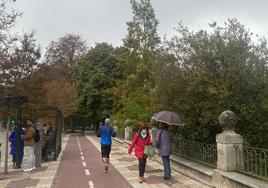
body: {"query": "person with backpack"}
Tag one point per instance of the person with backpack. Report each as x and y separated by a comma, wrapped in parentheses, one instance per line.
(106, 132)
(29, 143)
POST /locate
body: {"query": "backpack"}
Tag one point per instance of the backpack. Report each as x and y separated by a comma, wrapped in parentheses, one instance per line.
(37, 135)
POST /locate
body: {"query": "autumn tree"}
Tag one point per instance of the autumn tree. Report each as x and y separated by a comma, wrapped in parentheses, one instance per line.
(60, 57)
(66, 50)
(7, 20)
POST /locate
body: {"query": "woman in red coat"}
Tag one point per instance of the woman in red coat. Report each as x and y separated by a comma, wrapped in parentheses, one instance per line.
(140, 140)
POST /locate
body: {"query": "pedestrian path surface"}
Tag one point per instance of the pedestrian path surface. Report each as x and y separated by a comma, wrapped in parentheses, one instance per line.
(40, 178)
(79, 166)
(127, 165)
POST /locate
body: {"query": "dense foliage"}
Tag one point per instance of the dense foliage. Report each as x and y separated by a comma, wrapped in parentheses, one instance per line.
(197, 74)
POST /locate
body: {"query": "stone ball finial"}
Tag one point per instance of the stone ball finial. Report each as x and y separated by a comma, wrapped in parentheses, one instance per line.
(228, 120)
(153, 122)
(115, 122)
(128, 122)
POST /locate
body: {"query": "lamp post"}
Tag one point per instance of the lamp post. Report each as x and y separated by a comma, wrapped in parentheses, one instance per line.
(19, 101)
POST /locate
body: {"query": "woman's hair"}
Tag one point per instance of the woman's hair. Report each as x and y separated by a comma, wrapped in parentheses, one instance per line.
(163, 125)
(143, 125)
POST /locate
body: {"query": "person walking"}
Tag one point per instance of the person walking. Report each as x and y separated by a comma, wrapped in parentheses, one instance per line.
(29, 144)
(106, 132)
(141, 139)
(13, 145)
(163, 142)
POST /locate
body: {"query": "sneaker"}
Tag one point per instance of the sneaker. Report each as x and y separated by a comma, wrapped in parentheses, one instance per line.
(31, 169)
(106, 168)
(27, 170)
(17, 167)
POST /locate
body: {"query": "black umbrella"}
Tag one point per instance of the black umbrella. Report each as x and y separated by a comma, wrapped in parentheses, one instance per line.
(168, 117)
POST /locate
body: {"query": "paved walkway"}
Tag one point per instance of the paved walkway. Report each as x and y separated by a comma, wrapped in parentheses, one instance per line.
(127, 165)
(80, 166)
(40, 178)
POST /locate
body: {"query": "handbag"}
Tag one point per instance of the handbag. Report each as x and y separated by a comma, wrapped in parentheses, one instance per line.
(149, 151)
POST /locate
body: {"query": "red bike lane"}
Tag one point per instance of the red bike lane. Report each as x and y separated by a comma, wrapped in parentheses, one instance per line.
(81, 167)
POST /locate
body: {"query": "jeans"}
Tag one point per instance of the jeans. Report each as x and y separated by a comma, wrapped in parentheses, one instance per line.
(166, 163)
(142, 164)
(31, 157)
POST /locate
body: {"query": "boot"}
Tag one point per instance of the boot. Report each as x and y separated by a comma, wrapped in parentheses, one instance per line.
(140, 179)
(143, 180)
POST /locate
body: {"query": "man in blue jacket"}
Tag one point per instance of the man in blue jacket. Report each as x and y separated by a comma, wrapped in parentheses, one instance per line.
(106, 132)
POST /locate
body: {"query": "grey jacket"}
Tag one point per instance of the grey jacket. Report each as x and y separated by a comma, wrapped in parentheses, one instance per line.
(164, 137)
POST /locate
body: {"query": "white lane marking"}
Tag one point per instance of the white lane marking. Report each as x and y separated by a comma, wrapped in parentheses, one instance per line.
(81, 153)
(84, 164)
(90, 183)
(87, 172)
(79, 145)
(82, 158)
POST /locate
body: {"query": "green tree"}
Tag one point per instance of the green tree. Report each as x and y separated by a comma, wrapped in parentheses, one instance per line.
(141, 40)
(215, 71)
(140, 44)
(95, 74)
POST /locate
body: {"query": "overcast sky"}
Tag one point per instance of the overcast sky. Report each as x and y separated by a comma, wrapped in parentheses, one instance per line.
(105, 20)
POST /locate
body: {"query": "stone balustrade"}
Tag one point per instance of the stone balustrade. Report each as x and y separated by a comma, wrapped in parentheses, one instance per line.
(225, 175)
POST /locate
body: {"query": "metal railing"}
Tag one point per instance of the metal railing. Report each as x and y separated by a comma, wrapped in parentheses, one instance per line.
(121, 134)
(252, 161)
(197, 151)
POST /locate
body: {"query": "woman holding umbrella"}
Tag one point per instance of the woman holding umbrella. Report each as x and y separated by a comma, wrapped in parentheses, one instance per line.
(163, 142)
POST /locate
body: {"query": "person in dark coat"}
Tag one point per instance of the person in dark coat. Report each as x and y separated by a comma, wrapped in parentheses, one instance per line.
(163, 141)
(141, 139)
(13, 145)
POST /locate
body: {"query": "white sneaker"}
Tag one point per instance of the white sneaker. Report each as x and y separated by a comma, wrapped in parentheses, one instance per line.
(31, 169)
(27, 170)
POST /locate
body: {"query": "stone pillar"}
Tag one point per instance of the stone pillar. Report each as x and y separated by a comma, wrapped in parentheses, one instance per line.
(38, 145)
(115, 126)
(128, 130)
(227, 142)
(153, 131)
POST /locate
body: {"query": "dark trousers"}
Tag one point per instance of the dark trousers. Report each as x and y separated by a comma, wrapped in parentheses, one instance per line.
(44, 153)
(142, 164)
(14, 160)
